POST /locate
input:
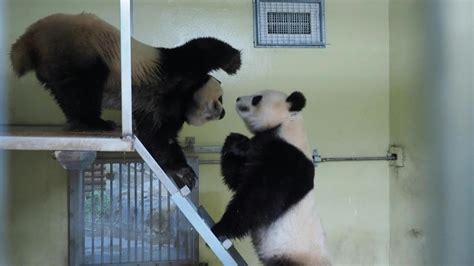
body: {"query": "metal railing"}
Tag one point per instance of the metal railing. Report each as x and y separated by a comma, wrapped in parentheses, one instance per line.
(127, 216)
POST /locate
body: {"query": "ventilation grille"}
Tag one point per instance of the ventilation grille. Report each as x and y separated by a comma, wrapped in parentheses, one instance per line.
(289, 23)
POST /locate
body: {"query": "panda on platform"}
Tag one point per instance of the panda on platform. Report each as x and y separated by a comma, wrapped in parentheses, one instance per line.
(271, 176)
(77, 58)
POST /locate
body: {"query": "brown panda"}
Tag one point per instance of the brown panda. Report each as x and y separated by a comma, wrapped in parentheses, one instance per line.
(77, 58)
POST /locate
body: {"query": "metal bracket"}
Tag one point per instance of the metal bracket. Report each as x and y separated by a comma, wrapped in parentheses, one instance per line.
(316, 157)
(397, 152)
(75, 160)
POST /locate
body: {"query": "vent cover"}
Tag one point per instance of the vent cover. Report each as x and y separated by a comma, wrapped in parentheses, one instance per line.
(289, 23)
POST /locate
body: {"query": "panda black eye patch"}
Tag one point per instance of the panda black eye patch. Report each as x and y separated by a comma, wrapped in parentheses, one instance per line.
(256, 100)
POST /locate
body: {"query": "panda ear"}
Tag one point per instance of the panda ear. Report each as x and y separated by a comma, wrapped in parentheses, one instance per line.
(297, 101)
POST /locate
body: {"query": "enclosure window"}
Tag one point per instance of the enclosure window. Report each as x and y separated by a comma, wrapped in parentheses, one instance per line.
(120, 213)
(280, 23)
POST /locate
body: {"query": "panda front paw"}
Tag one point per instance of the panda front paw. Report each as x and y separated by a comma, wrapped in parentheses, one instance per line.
(217, 231)
(184, 176)
(234, 64)
(236, 144)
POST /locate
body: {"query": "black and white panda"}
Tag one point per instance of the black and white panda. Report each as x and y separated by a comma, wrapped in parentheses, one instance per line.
(77, 58)
(271, 176)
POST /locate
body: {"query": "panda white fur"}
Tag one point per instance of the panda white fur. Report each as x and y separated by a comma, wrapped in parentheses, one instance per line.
(77, 58)
(271, 176)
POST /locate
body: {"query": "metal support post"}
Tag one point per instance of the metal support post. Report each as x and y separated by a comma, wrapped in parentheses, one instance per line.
(126, 66)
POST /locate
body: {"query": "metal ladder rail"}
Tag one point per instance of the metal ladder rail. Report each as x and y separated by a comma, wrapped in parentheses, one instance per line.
(198, 218)
(224, 251)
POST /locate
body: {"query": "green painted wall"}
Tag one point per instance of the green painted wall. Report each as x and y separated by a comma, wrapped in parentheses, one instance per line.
(347, 89)
(431, 117)
(410, 187)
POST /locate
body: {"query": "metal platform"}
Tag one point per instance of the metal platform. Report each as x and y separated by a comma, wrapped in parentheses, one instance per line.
(55, 138)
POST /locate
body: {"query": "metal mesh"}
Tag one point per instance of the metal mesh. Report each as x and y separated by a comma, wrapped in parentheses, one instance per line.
(128, 217)
(289, 23)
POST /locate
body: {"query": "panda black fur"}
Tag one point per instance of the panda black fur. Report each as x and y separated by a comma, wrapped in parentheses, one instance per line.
(271, 176)
(77, 58)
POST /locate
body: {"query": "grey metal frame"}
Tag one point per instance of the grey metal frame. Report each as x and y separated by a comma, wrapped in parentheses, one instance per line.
(126, 66)
(186, 249)
(322, 21)
(65, 143)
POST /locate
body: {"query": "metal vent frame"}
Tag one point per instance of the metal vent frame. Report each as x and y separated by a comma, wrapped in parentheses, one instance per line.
(295, 39)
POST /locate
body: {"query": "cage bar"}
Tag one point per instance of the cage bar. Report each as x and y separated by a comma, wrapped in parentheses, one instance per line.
(126, 66)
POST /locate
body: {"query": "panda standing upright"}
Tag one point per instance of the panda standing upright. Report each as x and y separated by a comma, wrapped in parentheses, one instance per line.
(77, 59)
(271, 176)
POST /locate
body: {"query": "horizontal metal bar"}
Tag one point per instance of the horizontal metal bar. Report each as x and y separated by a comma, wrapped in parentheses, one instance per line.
(358, 159)
(76, 143)
(207, 149)
(328, 159)
(316, 158)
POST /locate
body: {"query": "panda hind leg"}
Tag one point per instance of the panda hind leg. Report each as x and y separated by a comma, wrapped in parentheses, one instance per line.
(82, 106)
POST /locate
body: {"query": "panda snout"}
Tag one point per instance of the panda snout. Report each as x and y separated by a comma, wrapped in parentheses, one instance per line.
(222, 114)
(238, 99)
(243, 108)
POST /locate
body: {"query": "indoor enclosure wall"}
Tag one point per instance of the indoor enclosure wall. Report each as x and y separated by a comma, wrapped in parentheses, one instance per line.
(383, 79)
(431, 117)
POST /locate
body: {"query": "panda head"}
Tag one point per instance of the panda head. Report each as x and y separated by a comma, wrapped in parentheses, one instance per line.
(269, 109)
(206, 103)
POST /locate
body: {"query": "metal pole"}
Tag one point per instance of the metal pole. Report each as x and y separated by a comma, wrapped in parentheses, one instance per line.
(4, 173)
(317, 160)
(358, 159)
(126, 66)
(316, 157)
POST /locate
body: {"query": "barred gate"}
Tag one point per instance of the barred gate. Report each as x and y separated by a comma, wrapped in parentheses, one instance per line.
(121, 214)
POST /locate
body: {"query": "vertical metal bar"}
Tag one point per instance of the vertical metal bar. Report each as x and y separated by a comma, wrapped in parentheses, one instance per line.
(186, 245)
(169, 225)
(160, 208)
(177, 245)
(102, 213)
(111, 228)
(126, 65)
(135, 214)
(128, 212)
(4, 163)
(143, 211)
(80, 217)
(120, 212)
(74, 215)
(83, 198)
(93, 214)
(151, 215)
